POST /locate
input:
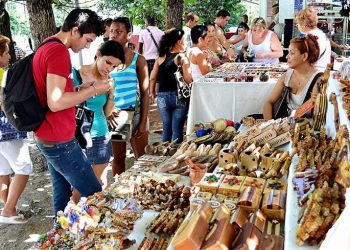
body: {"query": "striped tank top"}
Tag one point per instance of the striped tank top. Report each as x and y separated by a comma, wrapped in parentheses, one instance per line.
(126, 86)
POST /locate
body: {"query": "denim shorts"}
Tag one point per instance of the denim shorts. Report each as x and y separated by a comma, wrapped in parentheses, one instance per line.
(101, 150)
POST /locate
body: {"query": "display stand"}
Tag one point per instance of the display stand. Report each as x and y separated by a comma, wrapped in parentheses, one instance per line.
(291, 219)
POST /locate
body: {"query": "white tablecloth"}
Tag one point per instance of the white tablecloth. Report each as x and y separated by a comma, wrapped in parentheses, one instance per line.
(229, 100)
(291, 219)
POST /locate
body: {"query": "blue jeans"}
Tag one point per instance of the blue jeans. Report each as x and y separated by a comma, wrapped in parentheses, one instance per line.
(173, 113)
(69, 168)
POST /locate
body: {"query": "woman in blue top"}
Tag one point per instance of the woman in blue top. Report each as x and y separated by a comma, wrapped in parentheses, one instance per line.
(108, 56)
(131, 92)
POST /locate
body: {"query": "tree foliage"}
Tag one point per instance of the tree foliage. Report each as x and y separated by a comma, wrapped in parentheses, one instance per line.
(137, 10)
(207, 9)
(19, 23)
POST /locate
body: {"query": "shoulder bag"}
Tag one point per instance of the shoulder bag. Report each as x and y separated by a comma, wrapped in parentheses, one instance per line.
(154, 40)
(183, 88)
(84, 118)
(280, 107)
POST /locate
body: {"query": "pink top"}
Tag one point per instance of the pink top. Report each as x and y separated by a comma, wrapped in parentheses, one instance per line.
(150, 50)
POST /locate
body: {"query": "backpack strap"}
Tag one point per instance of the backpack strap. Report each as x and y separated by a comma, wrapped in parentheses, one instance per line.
(309, 90)
(50, 40)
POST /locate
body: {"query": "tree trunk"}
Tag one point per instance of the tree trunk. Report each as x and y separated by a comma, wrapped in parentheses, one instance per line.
(174, 12)
(41, 19)
(5, 29)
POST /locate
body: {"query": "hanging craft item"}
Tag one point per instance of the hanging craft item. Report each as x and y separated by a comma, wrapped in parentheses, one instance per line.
(321, 101)
(333, 100)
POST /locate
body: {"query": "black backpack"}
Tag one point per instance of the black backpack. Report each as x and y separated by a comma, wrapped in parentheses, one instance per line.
(20, 99)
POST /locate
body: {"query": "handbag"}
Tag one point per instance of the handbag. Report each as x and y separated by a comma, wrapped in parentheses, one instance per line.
(280, 107)
(183, 89)
(122, 126)
(84, 118)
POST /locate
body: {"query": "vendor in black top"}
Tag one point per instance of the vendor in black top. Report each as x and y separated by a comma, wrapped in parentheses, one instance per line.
(172, 110)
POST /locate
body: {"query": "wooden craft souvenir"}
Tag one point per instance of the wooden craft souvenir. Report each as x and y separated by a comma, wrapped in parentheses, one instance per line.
(227, 156)
(206, 196)
(268, 161)
(258, 183)
(276, 185)
(271, 242)
(214, 204)
(192, 231)
(231, 201)
(196, 202)
(220, 213)
(259, 220)
(274, 227)
(239, 217)
(250, 199)
(249, 238)
(250, 158)
(273, 204)
(219, 197)
(320, 111)
(231, 185)
(333, 100)
(210, 183)
(221, 235)
(280, 139)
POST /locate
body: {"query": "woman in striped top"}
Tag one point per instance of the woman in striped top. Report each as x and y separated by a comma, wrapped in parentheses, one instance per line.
(131, 92)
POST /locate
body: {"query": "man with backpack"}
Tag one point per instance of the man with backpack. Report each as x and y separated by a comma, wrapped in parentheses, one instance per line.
(14, 156)
(55, 138)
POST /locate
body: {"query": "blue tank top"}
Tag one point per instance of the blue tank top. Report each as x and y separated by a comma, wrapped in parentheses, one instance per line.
(126, 86)
(96, 104)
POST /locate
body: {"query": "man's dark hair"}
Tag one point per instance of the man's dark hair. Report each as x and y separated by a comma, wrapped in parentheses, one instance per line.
(245, 16)
(124, 20)
(87, 21)
(189, 17)
(243, 26)
(223, 13)
(107, 22)
(150, 20)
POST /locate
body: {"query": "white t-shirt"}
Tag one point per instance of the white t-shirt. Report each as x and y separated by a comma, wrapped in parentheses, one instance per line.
(150, 50)
(187, 36)
(325, 49)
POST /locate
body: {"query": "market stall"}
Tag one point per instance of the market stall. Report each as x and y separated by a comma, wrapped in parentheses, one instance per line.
(233, 91)
(229, 187)
(335, 111)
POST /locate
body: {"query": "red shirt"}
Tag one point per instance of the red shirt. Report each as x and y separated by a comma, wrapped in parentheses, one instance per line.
(54, 58)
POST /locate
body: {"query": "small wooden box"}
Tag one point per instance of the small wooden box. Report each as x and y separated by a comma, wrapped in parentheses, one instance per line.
(220, 237)
(271, 242)
(249, 238)
(275, 184)
(273, 204)
(250, 199)
(204, 196)
(210, 183)
(258, 183)
(231, 185)
(192, 231)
